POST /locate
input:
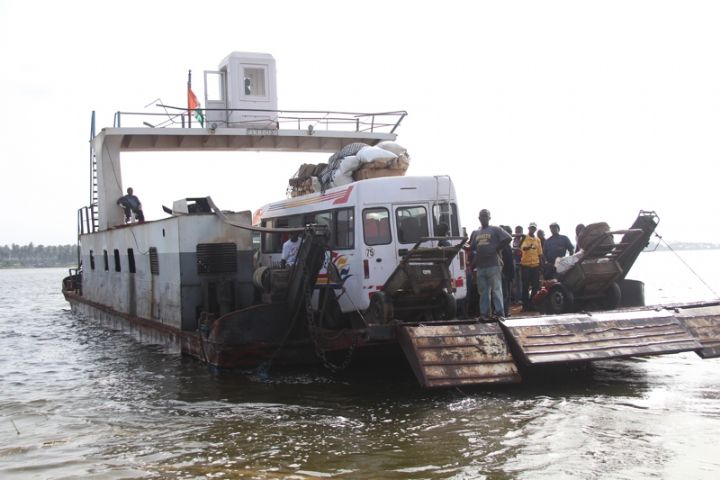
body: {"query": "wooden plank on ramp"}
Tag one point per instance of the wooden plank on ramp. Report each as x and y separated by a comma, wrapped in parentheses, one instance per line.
(458, 354)
(704, 324)
(598, 335)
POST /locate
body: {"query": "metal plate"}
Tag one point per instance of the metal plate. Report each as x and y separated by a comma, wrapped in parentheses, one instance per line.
(458, 354)
(601, 335)
(704, 324)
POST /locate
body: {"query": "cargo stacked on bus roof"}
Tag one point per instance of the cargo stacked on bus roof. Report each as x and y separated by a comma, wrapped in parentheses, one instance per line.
(355, 161)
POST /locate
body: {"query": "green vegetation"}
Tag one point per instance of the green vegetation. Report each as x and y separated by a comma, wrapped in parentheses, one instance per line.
(34, 256)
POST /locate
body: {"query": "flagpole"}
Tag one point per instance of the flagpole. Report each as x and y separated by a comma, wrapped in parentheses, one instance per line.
(189, 89)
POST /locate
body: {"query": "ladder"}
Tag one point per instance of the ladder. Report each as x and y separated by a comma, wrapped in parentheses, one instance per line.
(93, 177)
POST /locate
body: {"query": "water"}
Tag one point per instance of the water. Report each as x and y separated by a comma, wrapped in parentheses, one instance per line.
(81, 401)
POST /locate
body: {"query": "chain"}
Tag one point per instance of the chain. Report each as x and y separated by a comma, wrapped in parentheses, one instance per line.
(313, 329)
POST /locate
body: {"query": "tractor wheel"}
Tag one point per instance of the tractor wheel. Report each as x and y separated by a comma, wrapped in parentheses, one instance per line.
(633, 293)
(559, 300)
(611, 298)
(447, 307)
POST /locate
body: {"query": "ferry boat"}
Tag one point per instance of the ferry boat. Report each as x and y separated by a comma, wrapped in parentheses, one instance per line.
(372, 277)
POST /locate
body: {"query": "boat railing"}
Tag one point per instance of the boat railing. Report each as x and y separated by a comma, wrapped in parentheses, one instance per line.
(301, 120)
(87, 220)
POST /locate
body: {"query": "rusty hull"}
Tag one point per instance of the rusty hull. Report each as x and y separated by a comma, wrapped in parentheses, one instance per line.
(458, 354)
(450, 353)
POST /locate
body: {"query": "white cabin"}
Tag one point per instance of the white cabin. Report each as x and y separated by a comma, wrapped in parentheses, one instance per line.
(242, 92)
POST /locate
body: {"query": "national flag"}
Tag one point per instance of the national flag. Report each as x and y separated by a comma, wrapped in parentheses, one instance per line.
(194, 106)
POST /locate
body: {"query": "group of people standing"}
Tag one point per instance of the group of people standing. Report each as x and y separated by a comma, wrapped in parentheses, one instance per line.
(507, 267)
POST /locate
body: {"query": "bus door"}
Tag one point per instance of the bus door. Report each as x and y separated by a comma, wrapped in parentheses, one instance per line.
(379, 247)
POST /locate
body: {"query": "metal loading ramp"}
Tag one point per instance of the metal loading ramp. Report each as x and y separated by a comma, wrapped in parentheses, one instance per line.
(703, 322)
(445, 355)
(600, 335)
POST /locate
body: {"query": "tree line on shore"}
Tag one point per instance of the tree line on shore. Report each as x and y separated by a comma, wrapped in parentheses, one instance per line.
(34, 256)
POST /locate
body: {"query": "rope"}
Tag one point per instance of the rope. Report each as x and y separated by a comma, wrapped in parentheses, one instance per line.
(686, 264)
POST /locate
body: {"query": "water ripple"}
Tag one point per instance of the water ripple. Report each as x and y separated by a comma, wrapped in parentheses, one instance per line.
(80, 400)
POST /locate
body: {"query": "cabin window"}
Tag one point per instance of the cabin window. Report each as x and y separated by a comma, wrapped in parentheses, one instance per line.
(344, 236)
(154, 261)
(131, 260)
(446, 213)
(411, 224)
(376, 226)
(92, 260)
(216, 258)
(254, 81)
(105, 259)
(116, 256)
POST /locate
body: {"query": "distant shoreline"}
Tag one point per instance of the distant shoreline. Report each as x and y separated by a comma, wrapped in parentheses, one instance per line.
(683, 246)
(55, 259)
(18, 267)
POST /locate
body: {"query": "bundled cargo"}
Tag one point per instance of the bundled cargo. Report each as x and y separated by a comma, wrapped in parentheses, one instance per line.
(305, 180)
(355, 161)
(382, 165)
(326, 177)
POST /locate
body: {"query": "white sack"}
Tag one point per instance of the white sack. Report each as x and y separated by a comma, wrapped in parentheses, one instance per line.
(349, 164)
(340, 179)
(378, 156)
(402, 162)
(393, 147)
(563, 264)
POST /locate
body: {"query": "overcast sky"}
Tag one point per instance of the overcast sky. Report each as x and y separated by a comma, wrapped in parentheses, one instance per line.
(567, 111)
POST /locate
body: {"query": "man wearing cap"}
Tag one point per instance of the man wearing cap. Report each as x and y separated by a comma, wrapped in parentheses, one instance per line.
(555, 247)
(485, 246)
(532, 258)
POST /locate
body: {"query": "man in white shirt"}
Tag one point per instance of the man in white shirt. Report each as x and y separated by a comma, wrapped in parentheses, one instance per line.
(290, 250)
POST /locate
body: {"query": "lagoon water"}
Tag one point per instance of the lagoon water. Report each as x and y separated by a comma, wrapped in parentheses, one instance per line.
(81, 401)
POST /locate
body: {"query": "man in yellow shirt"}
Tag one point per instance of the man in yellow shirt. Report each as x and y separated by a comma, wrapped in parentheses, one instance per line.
(530, 263)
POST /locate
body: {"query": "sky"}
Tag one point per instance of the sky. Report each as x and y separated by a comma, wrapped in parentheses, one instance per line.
(566, 111)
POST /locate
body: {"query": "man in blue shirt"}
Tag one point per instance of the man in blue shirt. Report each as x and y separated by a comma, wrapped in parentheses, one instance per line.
(555, 247)
(486, 244)
(131, 204)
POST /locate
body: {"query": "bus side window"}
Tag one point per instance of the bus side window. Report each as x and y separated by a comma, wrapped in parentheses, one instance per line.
(326, 219)
(270, 241)
(446, 213)
(344, 228)
(409, 230)
(376, 226)
(411, 224)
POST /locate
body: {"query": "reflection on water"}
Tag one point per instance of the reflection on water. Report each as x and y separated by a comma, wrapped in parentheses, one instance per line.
(80, 400)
